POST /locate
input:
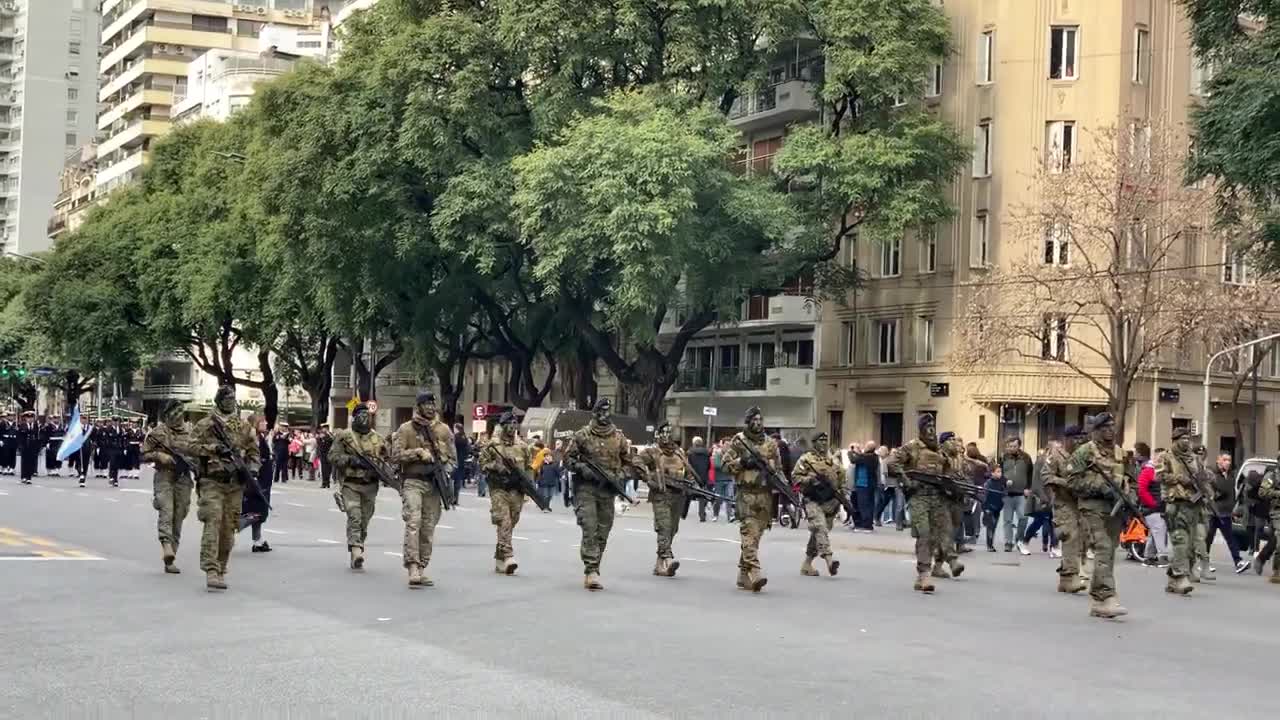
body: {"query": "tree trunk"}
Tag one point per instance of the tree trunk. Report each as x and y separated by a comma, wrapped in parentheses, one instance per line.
(450, 390)
(581, 376)
(1119, 404)
(270, 393)
(319, 407)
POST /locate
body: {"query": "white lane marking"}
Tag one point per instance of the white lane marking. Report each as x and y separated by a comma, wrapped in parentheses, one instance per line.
(735, 542)
(446, 527)
(334, 510)
(59, 557)
(111, 499)
(392, 554)
(383, 517)
(575, 546)
(458, 507)
(58, 489)
(544, 541)
(328, 542)
(566, 522)
(386, 619)
(295, 504)
(634, 530)
(692, 560)
(518, 537)
(79, 494)
(274, 532)
(5, 493)
(136, 490)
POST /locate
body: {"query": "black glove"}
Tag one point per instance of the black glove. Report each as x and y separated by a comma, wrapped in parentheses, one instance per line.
(748, 462)
(224, 452)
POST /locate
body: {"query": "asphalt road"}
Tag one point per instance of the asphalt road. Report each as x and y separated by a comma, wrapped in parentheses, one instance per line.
(94, 628)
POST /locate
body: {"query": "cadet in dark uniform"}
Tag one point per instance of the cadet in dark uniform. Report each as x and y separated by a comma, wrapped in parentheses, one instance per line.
(8, 443)
(53, 433)
(28, 443)
(324, 443)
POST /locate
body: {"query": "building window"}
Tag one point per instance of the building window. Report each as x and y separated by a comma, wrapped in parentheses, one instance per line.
(899, 100)
(1201, 73)
(1057, 245)
(1053, 339)
(73, 47)
(69, 140)
(848, 337)
(249, 28)
(1191, 249)
(934, 88)
(757, 307)
(1235, 267)
(1063, 51)
(73, 93)
(979, 248)
(797, 353)
(849, 250)
(891, 258)
(986, 57)
(887, 342)
(73, 115)
(929, 249)
(1141, 55)
(762, 154)
(1273, 359)
(1062, 146)
(982, 149)
(1136, 246)
(925, 350)
(207, 23)
(1140, 146)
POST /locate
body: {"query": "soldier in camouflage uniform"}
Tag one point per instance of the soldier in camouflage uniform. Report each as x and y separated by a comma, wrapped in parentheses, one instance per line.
(1200, 567)
(665, 460)
(601, 442)
(1066, 510)
(754, 501)
(821, 484)
(506, 498)
(930, 516)
(418, 446)
(948, 552)
(220, 491)
(172, 495)
(1176, 472)
(357, 491)
(1092, 464)
(1269, 490)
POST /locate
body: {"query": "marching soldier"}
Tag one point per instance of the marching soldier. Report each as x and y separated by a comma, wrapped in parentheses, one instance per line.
(662, 461)
(53, 433)
(1269, 491)
(420, 445)
(1201, 570)
(1176, 473)
(220, 490)
(604, 445)
(746, 458)
(821, 483)
(930, 514)
(1066, 510)
(357, 485)
(1097, 473)
(172, 496)
(8, 443)
(501, 459)
(27, 435)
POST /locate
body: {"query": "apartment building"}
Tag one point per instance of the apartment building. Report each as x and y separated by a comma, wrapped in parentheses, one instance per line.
(146, 47)
(77, 191)
(47, 85)
(1026, 77)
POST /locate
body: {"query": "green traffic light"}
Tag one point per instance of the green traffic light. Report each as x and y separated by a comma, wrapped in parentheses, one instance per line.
(22, 373)
(4, 372)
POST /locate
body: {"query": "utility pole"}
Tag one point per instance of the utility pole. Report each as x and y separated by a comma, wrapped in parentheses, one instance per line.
(1208, 368)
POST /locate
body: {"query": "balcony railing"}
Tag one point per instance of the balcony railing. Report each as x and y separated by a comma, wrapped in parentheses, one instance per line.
(168, 392)
(726, 379)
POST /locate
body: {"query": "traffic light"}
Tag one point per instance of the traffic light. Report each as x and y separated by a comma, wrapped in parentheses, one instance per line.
(22, 373)
(4, 372)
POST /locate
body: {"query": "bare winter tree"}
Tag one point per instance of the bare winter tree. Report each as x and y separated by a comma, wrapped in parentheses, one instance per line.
(1119, 269)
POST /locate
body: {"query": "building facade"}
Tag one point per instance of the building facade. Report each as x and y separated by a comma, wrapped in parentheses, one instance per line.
(47, 84)
(77, 191)
(146, 48)
(1020, 74)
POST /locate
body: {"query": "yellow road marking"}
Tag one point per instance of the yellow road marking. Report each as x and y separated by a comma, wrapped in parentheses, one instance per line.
(10, 541)
(41, 541)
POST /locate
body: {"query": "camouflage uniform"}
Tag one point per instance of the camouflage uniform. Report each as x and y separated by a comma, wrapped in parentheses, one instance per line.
(1067, 524)
(220, 492)
(172, 494)
(662, 461)
(1177, 475)
(1200, 568)
(605, 445)
(1089, 462)
(754, 501)
(1270, 490)
(358, 485)
(929, 507)
(947, 552)
(821, 483)
(506, 499)
(416, 446)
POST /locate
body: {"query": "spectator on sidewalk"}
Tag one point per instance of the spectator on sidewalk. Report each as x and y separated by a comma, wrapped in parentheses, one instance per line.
(993, 504)
(1040, 509)
(891, 498)
(1157, 552)
(550, 474)
(1224, 502)
(462, 448)
(866, 475)
(700, 461)
(724, 485)
(1016, 467)
(280, 453)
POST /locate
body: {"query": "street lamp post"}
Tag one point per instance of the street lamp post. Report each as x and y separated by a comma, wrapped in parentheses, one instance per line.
(1208, 367)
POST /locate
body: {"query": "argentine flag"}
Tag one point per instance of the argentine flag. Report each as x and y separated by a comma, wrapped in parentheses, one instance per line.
(74, 437)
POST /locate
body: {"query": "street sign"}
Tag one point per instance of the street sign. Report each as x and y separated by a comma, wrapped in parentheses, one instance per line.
(1170, 394)
(939, 389)
(44, 371)
(709, 411)
(373, 406)
(648, 428)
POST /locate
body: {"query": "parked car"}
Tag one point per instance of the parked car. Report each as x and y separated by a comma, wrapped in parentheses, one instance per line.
(1240, 514)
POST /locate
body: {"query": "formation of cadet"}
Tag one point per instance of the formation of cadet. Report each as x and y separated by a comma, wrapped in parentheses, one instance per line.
(665, 466)
(1098, 479)
(929, 509)
(421, 446)
(822, 483)
(598, 447)
(357, 492)
(1066, 510)
(748, 457)
(503, 459)
(218, 442)
(166, 446)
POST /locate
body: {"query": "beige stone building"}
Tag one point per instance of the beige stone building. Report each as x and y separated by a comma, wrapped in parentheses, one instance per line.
(1026, 76)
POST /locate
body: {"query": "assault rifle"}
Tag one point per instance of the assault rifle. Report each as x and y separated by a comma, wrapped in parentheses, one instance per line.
(243, 474)
(947, 483)
(1123, 502)
(435, 472)
(379, 470)
(689, 487)
(773, 478)
(614, 483)
(183, 464)
(845, 502)
(525, 482)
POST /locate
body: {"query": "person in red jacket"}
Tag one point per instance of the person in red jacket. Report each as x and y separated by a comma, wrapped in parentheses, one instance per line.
(1153, 506)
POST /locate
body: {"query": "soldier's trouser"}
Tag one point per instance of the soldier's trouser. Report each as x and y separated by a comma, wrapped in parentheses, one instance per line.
(1070, 532)
(593, 506)
(931, 525)
(1182, 518)
(1103, 532)
(821, 518)
(755, 515)
(219, 509)
(504, 512)
(945, 550)
(115, 461)
(359, 496)
(667, 509)
(171, 499)
(1275, 556)
(420, 509)
(1200, 536)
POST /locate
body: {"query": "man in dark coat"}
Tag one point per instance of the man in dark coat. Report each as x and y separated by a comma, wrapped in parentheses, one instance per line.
(700, 460)
(462, 445)
(254, 509)
(324, 443)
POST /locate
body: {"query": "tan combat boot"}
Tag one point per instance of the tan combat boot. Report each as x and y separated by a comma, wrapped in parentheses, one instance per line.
(508, 566)
(1179, 585)
(833, 566)
(923, 583)
(1070, 584)
(1195, 572)
(357, 558)
(806, 567)
(1275, 579)
(957, 568)
(756, 580)
(672, 566)
(592, 582)
(1109, 608)
(415, 576)
(742, 579)
(660, 567)
(168, 553)
(1206, 572)
(940, 572)
(214, 581)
